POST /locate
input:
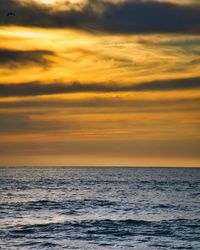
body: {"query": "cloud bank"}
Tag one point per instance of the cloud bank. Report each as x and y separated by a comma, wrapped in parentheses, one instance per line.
(36, 89)
(129, 17)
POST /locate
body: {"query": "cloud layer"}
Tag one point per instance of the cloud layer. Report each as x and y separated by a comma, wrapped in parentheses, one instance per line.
(36, 89)
(127, 17)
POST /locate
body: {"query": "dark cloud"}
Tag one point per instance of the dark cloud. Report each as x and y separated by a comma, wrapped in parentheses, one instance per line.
(24, 122)
(36, 89)
(12, 122)
(15, 58)
(126, 17)
(167, 85)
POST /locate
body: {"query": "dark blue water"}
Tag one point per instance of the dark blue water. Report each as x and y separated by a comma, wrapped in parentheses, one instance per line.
(99, 208)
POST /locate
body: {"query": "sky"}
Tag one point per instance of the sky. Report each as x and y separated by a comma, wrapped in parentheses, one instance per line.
(100, 83)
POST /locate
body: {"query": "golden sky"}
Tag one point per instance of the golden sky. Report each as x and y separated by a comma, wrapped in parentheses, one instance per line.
(100, 83)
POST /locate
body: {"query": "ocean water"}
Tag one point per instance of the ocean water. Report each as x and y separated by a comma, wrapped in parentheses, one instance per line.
(99, 208)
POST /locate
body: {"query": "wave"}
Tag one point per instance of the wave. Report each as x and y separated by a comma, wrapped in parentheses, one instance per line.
(67, 205)
(116, 227)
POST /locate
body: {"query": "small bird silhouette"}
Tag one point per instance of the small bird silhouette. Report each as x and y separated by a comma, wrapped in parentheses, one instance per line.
(11, 14)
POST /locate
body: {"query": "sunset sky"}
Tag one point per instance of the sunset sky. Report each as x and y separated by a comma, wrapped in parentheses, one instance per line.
(100, 83)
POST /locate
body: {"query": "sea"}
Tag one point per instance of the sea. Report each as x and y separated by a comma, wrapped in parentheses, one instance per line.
(90, 208)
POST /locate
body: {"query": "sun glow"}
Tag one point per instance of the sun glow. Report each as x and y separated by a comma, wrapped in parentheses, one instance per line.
(59, 1)
(48, 1)
(58, 4)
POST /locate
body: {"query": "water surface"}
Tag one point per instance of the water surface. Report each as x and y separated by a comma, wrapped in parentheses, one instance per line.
(99, 208)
